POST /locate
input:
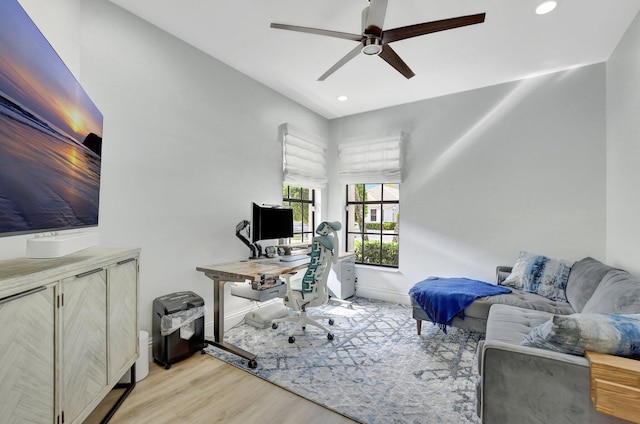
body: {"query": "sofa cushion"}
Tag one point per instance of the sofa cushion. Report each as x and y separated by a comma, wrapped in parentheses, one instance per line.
(617, 293)
(541, 275)
(510, 324)
(521, 300)
(573, 334)
(583, 279)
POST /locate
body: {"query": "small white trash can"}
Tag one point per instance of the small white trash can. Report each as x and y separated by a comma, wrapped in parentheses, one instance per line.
(142, 364)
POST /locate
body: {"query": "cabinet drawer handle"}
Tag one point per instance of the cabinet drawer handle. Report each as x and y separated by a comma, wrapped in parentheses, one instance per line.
(84, 274)
(126, 261)
(23, 294)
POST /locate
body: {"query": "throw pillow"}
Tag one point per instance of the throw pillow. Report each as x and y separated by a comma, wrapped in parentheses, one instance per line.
(573, 334)
(541, 275)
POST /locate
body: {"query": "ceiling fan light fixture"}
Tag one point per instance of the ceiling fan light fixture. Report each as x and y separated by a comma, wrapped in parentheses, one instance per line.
(374, 41)
(372, 46)
(546, 7)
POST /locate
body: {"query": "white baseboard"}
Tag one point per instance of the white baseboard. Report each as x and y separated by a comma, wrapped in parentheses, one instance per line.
(230, 321)
(237, 317)
(383, 294)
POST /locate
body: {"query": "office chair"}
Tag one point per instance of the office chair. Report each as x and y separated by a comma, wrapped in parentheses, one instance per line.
(313, 291)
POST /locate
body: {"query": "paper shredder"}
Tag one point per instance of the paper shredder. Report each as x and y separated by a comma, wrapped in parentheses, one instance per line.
(177, 327)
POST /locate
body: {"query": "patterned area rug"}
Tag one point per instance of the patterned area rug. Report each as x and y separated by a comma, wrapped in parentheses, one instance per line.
(376, 370)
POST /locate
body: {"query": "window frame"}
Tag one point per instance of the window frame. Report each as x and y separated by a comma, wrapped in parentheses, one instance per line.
(363, 232)
(311, 202)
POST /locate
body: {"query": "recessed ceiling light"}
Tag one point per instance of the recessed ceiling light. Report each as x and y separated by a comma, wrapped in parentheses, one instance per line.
(546, 7)
(342, 98)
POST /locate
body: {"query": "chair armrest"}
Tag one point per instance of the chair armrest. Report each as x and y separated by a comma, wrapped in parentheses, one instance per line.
(502, 272)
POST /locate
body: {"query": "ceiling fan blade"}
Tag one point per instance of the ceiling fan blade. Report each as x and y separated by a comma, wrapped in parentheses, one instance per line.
(375, 17)
(391, 57)
(402, 33)
(353, 53)
(335, 34)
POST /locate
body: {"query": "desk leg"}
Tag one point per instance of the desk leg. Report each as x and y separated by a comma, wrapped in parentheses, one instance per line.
(218, 326)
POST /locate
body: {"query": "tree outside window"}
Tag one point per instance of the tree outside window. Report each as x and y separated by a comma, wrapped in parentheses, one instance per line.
(373, 227)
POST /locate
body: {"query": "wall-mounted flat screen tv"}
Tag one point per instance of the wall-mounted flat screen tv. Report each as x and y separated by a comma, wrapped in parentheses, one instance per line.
(50, 135)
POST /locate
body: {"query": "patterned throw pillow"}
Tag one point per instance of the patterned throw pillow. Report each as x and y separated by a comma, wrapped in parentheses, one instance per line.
(541, 275)
(573, 334)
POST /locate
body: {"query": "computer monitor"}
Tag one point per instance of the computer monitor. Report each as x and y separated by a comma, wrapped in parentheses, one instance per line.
(271, 222)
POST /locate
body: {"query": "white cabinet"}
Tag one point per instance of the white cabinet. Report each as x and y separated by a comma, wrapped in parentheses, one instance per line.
(345, 269)
(68, 333)
(122, 286)
(84, 340)
(27, 367)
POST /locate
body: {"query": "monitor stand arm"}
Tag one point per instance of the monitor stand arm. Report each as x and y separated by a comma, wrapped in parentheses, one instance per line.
(256, 249)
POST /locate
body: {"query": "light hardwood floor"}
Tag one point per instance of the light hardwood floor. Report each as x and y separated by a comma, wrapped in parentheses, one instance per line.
(204, 389)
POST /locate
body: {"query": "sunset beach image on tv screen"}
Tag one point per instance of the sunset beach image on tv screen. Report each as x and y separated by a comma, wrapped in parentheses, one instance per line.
(50, 134)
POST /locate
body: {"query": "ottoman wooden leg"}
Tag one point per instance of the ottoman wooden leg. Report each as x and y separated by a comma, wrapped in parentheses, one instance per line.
(419, 325)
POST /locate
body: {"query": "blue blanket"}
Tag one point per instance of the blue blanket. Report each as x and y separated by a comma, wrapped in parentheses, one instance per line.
(444, 298)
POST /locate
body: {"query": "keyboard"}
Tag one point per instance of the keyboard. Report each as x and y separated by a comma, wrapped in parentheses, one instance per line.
(293, 258)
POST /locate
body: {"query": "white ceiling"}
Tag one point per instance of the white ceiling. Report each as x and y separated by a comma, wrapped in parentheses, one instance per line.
(513, 43)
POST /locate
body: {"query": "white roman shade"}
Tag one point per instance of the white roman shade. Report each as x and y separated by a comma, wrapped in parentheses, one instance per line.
(371, 161)
(304, 158)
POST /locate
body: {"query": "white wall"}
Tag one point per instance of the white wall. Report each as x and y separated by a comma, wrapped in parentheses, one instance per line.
(188, 144)
(490, 172)
(623, 152)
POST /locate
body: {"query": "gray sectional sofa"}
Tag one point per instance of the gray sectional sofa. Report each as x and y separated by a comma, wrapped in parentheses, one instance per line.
(476, 314)
(522, 384)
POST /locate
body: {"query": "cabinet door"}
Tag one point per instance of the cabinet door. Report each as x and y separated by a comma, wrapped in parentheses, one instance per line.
(84, 345)
(123, 316)
(27, 361)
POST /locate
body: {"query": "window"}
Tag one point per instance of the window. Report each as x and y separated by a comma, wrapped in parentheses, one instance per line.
(373, 227)
(302, 201)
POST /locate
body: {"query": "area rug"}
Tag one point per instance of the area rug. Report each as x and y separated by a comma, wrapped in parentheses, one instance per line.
(376, 369)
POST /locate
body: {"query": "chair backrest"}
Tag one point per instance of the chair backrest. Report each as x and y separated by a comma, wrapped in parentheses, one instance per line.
(324, 252)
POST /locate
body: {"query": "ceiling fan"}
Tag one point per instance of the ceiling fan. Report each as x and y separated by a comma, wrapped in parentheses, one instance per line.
(375, 41)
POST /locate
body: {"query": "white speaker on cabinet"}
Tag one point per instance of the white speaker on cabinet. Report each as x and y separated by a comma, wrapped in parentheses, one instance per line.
(59, 245)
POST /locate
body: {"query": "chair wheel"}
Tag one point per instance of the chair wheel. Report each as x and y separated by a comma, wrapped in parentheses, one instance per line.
(330, 322)
(304, 328)
(330, 336)
(274, 325)
(167, 366)
(202, 352)
(292, 339)
(253, 364)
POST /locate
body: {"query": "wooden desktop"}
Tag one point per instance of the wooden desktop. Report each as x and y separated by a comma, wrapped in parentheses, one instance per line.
(239, 272)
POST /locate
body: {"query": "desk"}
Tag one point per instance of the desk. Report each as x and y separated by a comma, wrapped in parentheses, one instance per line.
(239, 272)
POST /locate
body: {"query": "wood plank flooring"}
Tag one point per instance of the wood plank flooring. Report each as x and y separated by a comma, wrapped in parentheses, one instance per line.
(204, 389)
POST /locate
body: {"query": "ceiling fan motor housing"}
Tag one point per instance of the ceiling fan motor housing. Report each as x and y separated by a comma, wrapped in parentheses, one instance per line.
(371, 45)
